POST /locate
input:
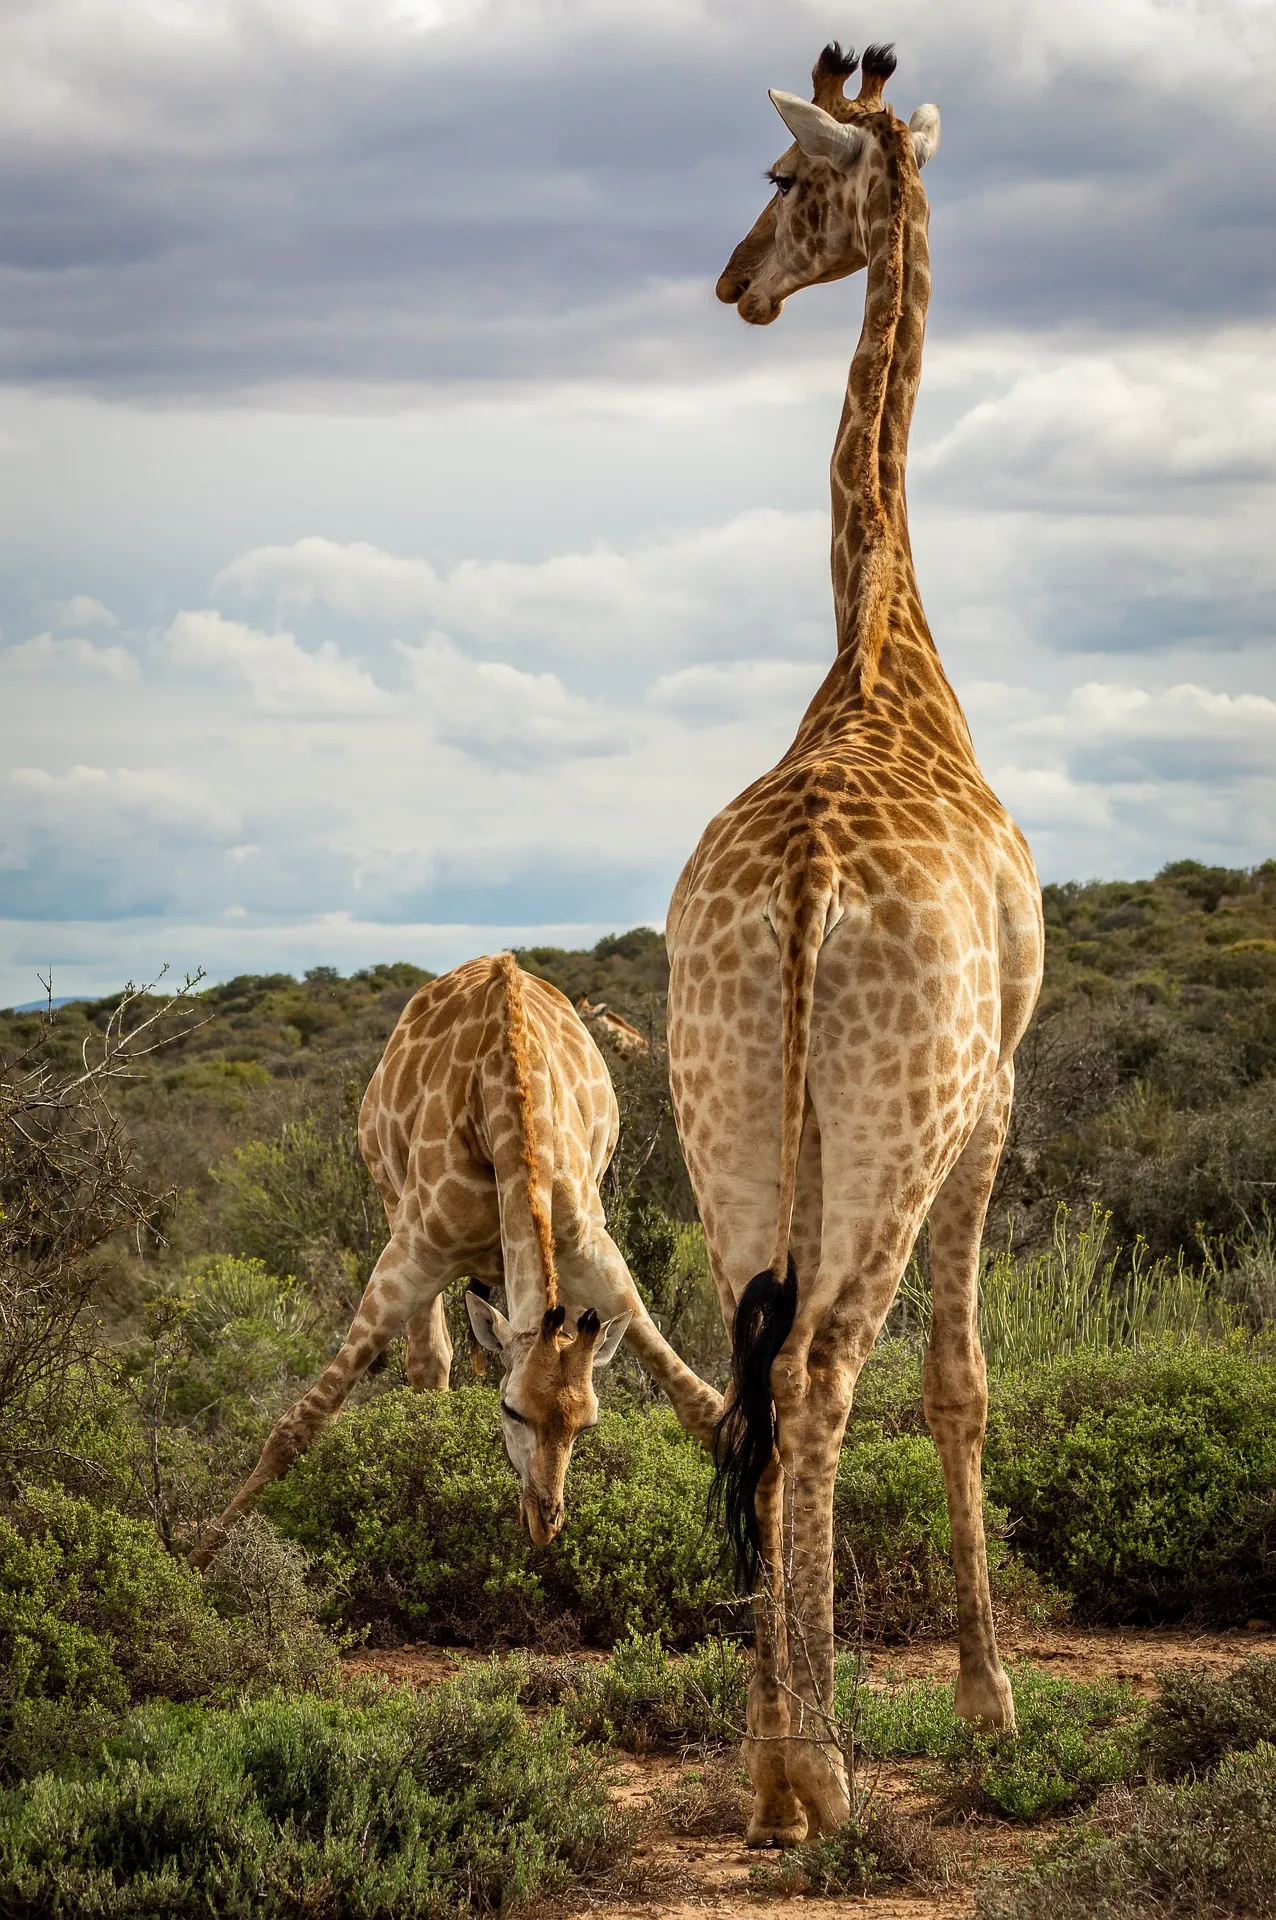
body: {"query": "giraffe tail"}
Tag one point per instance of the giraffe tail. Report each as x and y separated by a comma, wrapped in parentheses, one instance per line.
(747, 1434)
(506, 969)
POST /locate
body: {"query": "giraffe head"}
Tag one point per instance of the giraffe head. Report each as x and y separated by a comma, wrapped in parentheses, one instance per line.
(815, 226)
(547, 1398)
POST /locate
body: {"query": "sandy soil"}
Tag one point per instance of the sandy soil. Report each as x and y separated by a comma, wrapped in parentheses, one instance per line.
(686, 1876)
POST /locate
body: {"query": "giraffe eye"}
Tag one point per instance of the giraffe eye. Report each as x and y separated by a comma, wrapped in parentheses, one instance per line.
(782, 181)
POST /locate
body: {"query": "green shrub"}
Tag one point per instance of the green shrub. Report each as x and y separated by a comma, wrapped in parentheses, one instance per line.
(879, 1846)
(409, 1511)
(234, 1342)
(404, 1805)
(1190, 1853)
(640, 1698)
(892, 1546)
(1198, 1717)
(1072, 1739)
(1144, 1483)
(94, 1615)
(901, 1720)
(305, 1200)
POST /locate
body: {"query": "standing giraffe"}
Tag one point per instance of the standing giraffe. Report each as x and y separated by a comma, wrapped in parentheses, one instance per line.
(487, 1127)
(856, 950)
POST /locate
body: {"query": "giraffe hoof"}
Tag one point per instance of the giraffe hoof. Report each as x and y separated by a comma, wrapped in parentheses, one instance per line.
(766, 1831)
(986, 1701)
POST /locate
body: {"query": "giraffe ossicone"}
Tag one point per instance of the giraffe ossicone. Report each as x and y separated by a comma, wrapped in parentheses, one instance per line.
(487, 1127)
(855, 951)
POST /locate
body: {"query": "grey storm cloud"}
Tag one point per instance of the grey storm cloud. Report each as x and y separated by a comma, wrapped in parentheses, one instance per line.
(212, 212)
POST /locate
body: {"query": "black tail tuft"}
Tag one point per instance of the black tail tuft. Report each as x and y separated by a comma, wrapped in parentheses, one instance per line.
(748, 1430)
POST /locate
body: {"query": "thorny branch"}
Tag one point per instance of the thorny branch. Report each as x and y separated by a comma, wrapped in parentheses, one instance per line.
(66, 1186)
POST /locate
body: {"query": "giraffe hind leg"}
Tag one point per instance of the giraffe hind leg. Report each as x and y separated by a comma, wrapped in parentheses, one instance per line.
(392, 1296)
(955, 1394)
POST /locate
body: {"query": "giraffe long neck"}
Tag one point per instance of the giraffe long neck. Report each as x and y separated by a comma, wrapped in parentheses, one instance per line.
(885, 651)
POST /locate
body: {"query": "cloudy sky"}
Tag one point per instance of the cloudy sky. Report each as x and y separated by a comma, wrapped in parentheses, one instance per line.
(406, 554)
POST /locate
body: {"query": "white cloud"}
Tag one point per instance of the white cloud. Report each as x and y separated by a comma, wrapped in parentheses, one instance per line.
(82, 610)
(496, 713)
(44, 655)
(754, 581)
(1070, 425)
(719, 694)
(282, 677)
(106, 804)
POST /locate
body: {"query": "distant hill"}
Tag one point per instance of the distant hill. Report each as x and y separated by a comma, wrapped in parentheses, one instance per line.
(1146, 1080)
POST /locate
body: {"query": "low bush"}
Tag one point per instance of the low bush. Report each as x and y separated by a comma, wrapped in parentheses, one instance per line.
(1072, 1739)
(879, 1846)
(910, 1719)
(1198, 1718)
(396, 1805)
(1203, 1852)
(640, 1698)
(712, 1798)
(893, 1566)
(1143, 1483)
(94, 1615)
(409, 1508)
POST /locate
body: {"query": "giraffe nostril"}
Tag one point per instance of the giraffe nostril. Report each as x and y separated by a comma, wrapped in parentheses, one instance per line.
(731, 287)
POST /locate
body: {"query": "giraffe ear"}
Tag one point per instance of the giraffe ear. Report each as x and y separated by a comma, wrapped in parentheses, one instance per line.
(924, 127)
(491, 1329)
(614, 1332)
(818, 134)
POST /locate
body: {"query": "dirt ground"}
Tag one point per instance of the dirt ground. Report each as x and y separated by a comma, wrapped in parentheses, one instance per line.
(680, 1876)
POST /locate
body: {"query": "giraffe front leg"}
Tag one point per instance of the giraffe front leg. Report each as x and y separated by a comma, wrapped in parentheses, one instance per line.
(593, 1273)
(429, 1362)
(955, 1396)
(393, 1294)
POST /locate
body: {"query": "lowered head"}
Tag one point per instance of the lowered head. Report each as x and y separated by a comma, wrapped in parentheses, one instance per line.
(547, 1398)
(815, 227)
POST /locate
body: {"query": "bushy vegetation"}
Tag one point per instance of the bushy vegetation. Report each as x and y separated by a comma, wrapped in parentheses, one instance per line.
(879, 1846)
(95, 1615)
(184, 1230)
(1204, 1852)
(1143, 1482)
(400, 1805)
(1199, 1717)
(641, 1699)
(893, 1565)
(1071, 1739)
(409, 1511)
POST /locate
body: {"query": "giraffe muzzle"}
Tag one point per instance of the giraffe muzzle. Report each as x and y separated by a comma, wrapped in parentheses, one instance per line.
(542, 1518)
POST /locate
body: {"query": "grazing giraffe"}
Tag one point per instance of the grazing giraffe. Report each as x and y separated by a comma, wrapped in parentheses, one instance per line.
(487, 1127)
(622, 1033)
(855, 949)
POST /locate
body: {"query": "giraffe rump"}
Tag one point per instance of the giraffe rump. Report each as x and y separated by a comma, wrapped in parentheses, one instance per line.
(521, 1059)
(748, 1431)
